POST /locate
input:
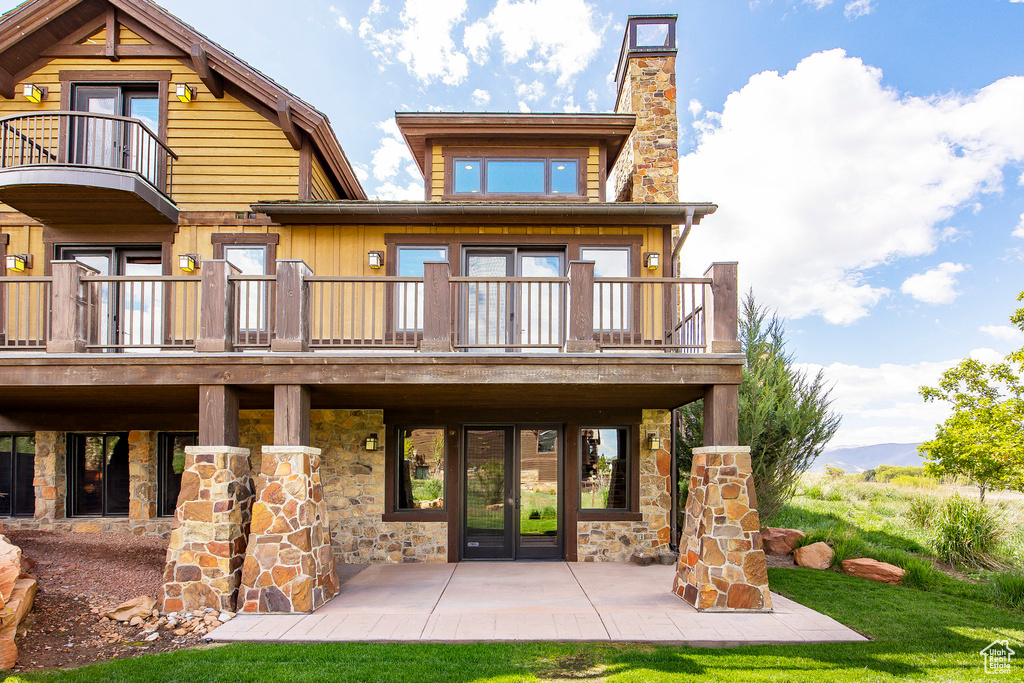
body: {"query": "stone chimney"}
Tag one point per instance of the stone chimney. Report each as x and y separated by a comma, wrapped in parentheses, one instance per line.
(648, 167)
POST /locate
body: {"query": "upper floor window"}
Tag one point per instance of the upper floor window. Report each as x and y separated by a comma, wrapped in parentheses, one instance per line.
(537, 176)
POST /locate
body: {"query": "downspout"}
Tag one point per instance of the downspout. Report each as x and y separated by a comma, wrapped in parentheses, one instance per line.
(673, 543)
(679, 242)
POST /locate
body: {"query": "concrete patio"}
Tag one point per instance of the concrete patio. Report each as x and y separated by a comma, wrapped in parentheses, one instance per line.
(523, 601)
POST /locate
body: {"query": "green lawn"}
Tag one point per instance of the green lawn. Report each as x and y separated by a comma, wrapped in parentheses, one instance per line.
(916, 635)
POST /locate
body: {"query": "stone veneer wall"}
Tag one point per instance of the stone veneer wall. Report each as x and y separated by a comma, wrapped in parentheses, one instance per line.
(353, 485)
(648, 168)
(618, 541)
(50, 480)
(142, 475)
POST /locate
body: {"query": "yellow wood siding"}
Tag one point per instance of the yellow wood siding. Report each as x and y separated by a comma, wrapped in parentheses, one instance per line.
(594, 175)
(229, 155)
(321, 188)
(124, 37)
(437, 174)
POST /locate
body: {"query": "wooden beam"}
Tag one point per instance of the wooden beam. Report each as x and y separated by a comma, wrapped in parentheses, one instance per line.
(284, 119)
(6, 84)
(144, 51)
(218, 415)
(211, 79)
(721, 415)
(291, 415)
(113, 35)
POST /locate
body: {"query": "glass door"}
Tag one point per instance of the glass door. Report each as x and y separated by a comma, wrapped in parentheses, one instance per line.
(540, 303)
(539, 534)
(141, 303)
(96, 141)
(488, 520)
(488, 321)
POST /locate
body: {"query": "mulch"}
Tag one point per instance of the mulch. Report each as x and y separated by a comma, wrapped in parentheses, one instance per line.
(81, 576)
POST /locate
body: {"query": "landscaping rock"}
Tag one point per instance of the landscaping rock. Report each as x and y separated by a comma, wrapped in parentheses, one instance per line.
(10, 569)
(873, 570)
(815, 556)
(780, 541)
(22, 596)
(141, 607)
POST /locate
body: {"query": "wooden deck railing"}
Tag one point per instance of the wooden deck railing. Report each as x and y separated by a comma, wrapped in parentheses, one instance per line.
(87, 140)
(76, 310)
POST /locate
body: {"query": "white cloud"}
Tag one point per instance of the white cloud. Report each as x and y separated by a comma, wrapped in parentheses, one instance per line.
(394, 192)
(881, 404)
(592, 99)
(480, 97)
(560, 36)
(1019, 230)
(343, 23)
(423, 43)
(695, 108)
(935, 286)
(1006, 333)
(857, 8)
(818, 4)
(392, 152)
(823, 174)
(530, 92)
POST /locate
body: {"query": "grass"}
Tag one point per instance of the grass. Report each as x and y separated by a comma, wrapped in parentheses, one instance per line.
(916, 636)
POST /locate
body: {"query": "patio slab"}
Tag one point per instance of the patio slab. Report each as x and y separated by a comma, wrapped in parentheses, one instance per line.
(528, 601)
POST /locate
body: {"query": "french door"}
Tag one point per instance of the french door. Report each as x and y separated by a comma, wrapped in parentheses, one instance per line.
(512, 492)
(114, 143)
(507, 315)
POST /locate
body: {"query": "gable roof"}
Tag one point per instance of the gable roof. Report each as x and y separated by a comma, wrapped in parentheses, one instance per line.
(29, 29)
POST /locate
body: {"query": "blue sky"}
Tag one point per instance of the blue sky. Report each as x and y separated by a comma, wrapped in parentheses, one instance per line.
(868, 155)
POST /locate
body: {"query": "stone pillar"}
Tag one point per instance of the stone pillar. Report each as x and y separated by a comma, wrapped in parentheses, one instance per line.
(50, 480)
(142, 475)
(207, 544)
(721, 564)
(289, 563)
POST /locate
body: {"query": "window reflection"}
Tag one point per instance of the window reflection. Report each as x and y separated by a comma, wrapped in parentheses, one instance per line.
(420, 469)
(604, 468)
(409, 308)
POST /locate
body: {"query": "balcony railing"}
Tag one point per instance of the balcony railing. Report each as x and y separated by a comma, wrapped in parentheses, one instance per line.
(85, 140)
(77, 310)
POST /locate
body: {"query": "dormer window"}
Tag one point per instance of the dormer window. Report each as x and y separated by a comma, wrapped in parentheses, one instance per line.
(534, 176)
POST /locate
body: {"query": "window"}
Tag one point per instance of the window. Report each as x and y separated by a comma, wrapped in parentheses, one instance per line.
(251, 254)
(113, 143)
(17, 469)
(410, 260)
(516, 176)
(420, 472)
(170, 465)
(98, 474)
(604, 468)
(611, 299)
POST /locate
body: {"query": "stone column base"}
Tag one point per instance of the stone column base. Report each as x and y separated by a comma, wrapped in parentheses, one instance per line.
(289, 563)
(721, 563)
(207, 543)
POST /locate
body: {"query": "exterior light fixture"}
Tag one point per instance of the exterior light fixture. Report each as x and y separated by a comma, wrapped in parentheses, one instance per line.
(372, 443)
(18, 263)
(188, 262)
(33, 93)
(185, 92)
(376, 259)
(652, 260)
(654, 442)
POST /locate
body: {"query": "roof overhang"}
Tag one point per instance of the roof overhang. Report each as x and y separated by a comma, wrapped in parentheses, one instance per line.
(32, 27)
(485, 213)
(497, 128)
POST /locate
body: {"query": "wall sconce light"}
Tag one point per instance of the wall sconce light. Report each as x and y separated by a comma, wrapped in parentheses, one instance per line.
(188, 262)
(372, 443)
(18, 263)
(376, 259)
(652, 260)
(185, 93)
(654, 442)
(33, 93)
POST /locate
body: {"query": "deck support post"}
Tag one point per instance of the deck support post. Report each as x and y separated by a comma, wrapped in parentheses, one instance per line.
(69, 308)
(581, 308)
(722, 322)
(437, 308)
(291, 331)
(291, 415)
(216, 318)
(218, 415)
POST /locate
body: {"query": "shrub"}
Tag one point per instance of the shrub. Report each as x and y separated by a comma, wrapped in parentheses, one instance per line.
(886, 473)
(427, 490)
(813, 491)
(967, 533)
(913, 482)
(833, 472)
(921, 511)
(1007, 589)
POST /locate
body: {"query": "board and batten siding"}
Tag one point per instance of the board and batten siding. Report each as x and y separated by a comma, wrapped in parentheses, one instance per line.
(229, 156)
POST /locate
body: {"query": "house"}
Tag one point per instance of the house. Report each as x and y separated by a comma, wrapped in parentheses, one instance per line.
(208, 331)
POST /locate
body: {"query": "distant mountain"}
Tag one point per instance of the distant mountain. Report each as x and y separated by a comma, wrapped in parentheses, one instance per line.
(859, 458)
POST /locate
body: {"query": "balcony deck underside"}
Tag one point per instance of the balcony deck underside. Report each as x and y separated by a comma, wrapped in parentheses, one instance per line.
(64, 196)
(103, 391)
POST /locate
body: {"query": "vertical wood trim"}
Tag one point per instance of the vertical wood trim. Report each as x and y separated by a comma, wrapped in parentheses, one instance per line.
(306, 170)
(437, 313)
(572, 491)
(218, 415)
(113, 35)
(291, 415)
(428, 170)
(452, 485)
(634, 466)
(603, 171)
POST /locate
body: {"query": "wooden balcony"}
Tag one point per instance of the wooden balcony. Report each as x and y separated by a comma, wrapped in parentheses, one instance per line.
(77, 310)
(73, 169)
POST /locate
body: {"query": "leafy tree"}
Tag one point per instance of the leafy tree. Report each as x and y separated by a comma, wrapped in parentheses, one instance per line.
(785, 415)
(984, 437)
